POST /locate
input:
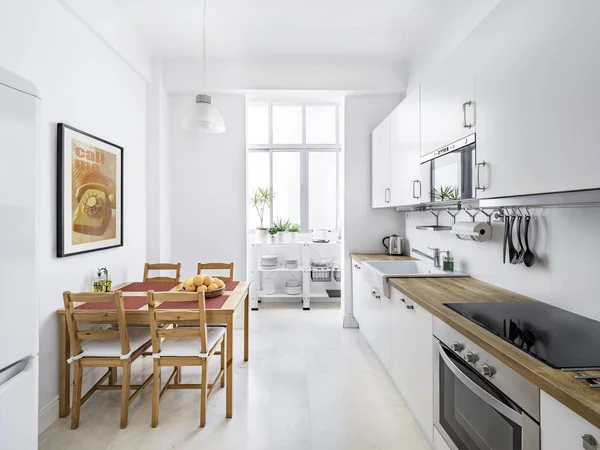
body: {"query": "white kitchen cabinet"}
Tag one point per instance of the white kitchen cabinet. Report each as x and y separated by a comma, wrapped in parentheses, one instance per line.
(372, 312)
(447, 103)
(562, 429)
(411, 362)
(380, 165)
(359, 290)
(538, 97)
(405, 143)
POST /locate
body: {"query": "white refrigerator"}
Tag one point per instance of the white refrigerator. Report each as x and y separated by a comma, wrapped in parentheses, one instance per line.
(19, 128)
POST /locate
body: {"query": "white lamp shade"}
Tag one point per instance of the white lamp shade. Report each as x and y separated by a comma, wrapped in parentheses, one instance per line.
(204, 117)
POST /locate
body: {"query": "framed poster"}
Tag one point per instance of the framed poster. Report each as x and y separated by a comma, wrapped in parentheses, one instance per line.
(90, 193)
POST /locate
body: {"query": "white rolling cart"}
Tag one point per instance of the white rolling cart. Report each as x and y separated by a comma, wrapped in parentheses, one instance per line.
(269, 283)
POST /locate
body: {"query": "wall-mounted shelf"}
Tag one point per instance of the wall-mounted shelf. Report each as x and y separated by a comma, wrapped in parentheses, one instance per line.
(434, 228)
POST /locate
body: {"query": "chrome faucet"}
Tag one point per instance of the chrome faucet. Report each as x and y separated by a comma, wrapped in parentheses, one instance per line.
(435, 258)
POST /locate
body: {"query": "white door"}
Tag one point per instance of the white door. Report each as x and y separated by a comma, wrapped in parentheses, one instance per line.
(538, 97)
(447, 104)
(18, 184)
(405, 151)
(19, 406)
(380, 165)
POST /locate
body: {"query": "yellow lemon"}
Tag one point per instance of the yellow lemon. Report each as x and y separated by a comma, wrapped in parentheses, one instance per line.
(199, 280)
(202, 288)
(212, 287)
(208, 280)
(220, 283)
(189, 285)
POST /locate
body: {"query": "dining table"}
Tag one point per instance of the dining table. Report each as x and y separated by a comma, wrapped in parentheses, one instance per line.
(219, 311)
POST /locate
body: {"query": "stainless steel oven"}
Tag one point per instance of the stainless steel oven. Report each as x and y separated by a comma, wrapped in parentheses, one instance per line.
(450, 172)
(479, 402)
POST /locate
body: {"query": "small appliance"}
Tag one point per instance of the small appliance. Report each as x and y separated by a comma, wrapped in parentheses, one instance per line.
(393, 245)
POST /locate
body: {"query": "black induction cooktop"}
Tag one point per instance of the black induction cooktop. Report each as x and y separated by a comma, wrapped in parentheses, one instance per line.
(559, 338)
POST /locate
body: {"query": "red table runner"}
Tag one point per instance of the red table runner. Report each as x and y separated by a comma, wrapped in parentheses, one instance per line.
(158, 286)
(211, 303)
(129, 302)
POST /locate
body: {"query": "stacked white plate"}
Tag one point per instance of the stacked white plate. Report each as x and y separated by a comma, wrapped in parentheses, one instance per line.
(268, 262)
(291, 263)
(293, 287)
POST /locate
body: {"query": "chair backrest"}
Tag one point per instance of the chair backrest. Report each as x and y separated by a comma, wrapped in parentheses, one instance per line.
(158, 317)
(217, 266)
(73, 316)
(162, 266)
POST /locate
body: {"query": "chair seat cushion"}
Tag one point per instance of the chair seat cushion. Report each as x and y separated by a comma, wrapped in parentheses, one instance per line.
(138, 337)
(191, 347)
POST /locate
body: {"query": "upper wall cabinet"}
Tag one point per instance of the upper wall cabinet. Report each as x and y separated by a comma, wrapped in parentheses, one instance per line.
(380, 165)
(537, 97)
(405, 152)
(447, 104)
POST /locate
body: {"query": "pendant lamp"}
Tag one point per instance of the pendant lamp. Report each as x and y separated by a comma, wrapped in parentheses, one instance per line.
(204, 116)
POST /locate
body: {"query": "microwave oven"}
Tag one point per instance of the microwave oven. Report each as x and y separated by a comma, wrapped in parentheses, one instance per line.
(448, 174)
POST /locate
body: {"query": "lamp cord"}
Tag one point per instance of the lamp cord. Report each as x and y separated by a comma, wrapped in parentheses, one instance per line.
(204, 47)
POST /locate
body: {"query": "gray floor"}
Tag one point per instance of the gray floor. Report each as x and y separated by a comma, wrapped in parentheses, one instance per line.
(309, 384)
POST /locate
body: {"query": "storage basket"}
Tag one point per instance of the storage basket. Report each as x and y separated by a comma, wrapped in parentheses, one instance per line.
(320, 274)
(337, 274)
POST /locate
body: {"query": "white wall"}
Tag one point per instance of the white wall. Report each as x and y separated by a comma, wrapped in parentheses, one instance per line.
(566, 245)
(363, 226)
(342, 74)
(208, 188)
(84, 84)
(106, 20)
(158, 161)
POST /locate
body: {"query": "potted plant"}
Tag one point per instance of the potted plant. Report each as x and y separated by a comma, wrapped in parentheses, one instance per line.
(294, 230)
(273, 232)
(282, 229)
(261, 197)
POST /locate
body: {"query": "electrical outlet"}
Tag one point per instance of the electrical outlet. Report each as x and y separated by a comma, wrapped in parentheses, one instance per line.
(407, 216)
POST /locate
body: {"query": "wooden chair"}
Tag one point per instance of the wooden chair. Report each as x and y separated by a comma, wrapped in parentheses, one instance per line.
(217, 266)
(111, 348)
(183, 346)
(162, 266)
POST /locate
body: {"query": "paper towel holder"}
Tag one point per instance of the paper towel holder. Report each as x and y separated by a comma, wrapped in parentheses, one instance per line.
(478, 232)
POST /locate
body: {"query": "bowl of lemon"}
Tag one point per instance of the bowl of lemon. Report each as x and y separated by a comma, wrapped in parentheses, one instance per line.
(211, 286)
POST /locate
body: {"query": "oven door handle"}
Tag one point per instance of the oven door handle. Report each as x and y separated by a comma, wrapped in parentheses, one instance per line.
(492, 401)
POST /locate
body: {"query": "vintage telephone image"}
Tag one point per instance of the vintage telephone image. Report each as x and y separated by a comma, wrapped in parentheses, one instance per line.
(94, 208)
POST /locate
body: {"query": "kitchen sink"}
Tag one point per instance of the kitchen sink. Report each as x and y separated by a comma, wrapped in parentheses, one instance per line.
(376, 273)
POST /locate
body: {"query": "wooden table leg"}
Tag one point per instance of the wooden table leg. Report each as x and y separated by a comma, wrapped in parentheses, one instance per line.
(64, 371)
(229, 370)
(246, 323)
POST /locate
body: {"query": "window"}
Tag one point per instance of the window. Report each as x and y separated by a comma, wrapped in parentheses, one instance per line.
(294, 149)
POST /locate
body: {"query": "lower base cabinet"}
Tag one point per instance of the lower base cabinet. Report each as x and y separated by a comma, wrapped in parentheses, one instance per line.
(411, 349)
(372, 312)
(438, 441)
(563, 429)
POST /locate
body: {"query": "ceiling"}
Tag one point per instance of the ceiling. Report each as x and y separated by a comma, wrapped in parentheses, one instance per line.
(394, 30)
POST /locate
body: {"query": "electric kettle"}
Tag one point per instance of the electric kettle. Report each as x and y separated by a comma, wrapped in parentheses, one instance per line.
(393, 245)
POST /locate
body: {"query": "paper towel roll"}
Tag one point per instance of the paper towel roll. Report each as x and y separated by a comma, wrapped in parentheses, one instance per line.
(477, 231)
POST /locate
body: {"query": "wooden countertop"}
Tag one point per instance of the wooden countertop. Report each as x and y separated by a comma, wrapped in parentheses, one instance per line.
(362, 257)
(432, 293)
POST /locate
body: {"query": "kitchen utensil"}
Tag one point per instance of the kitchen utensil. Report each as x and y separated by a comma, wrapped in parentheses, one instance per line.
(505, 239)
(529, 256)
(512, 251)
(519, 233)
(393, 245)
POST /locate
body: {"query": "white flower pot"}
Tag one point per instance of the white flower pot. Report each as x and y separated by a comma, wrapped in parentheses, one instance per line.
(293, 236)
(260, 236)
(285, 236)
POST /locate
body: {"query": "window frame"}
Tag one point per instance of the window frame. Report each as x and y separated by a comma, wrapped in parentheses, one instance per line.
(304, 149)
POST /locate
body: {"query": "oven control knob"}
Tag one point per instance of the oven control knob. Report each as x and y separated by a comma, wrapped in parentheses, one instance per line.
(471, 357)
(487, 371)
(457, 347)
